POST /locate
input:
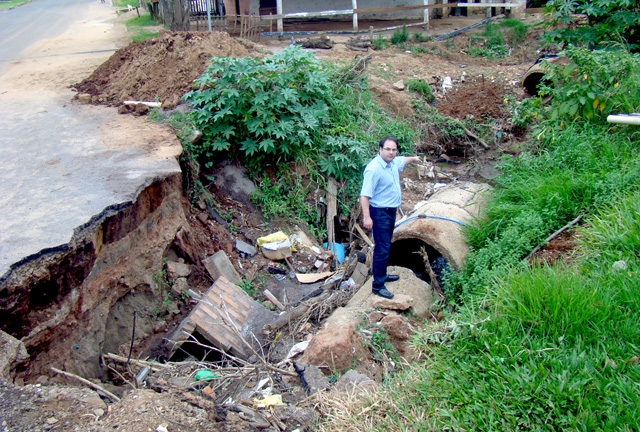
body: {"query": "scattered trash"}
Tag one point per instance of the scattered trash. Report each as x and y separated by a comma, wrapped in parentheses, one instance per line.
(313, 277)
(274, 269)
(296, 349)
(275, 246)
(446, 84)
(337, 249)
(204, 375)
(141, 376)
(347, 284)
(269, 401)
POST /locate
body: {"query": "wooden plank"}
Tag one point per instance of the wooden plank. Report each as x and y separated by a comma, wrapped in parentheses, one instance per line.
(488, 5)
(332, 210)
(308, 14)
(364, 235)
(402, 8)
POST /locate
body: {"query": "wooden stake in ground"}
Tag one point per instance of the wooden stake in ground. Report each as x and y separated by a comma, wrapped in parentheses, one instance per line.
(332, 210)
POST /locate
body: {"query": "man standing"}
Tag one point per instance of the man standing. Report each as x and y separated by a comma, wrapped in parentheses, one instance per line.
(380, 198)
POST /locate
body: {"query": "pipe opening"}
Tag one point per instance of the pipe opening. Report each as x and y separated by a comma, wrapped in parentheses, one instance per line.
(196, 349)
(408, 253)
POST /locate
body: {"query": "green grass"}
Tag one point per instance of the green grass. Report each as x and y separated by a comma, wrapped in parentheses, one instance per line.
(137, 27)
(552, 347)
(12, 3)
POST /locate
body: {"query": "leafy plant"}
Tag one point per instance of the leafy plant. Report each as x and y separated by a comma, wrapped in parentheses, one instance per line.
(379, 42)
(248, 287)
(421, 87)
(589, 87)
(260, 107)
(607, 20)
(421, 37)
(400, 36)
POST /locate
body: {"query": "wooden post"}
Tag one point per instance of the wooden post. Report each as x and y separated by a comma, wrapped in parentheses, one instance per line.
(279, 12)
(354, 6)
(332, 210)
(425, 14)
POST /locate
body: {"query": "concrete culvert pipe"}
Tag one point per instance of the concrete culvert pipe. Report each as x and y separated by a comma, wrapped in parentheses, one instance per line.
(535, 74)
(436, 225)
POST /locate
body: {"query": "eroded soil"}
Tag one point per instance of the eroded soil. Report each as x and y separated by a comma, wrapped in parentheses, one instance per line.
(163, 69)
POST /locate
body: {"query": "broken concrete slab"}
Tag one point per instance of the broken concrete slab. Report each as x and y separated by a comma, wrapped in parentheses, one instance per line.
(311, 377)
(219, 265)
(12, 354)
(226, 317)
(353, 380)
(425, 299)
(245, 248)
(399, 302)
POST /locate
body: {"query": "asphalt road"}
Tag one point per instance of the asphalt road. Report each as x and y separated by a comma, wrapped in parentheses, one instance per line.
(32, 22)
(62, 163)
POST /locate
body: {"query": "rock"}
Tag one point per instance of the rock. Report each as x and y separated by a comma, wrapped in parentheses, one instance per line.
(398, 302)
(398, 85)
(177, 270)
(312, 378)
(219, 264)
(203, 217)
(12, 354)
(195, 138)
(84, 98)
(353, 379)
(180, 285)
(245, 248)
(376, 316)
(141, 109)
(336, 347)
(397, 326)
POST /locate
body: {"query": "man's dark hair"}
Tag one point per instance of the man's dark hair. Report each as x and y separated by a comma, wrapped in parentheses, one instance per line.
(388, 138)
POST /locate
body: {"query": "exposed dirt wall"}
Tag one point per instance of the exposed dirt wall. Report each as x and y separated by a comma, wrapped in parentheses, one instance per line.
(69, 304)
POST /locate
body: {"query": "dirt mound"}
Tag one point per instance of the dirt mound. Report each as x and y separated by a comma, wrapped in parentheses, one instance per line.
(478, 98)
(161, 68)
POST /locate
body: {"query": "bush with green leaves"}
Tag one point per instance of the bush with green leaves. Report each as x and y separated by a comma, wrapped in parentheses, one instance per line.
(592, 85)
(421, 87)
(257, 107)
(400, 36)
(607, 20)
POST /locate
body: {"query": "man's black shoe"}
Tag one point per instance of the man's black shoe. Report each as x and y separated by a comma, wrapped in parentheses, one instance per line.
(392, 278)
(382, 292)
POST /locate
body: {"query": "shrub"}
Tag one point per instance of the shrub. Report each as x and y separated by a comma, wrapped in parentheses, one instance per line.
(260, 107)
(421, 87)
(400, 36)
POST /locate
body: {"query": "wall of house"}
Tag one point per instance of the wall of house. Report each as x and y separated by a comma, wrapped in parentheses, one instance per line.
(291, 6)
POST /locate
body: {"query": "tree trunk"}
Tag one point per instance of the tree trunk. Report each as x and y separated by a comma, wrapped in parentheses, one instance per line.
(176, 14)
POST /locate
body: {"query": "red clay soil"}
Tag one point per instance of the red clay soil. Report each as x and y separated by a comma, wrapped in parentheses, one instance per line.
(159, 69)
(477, 98)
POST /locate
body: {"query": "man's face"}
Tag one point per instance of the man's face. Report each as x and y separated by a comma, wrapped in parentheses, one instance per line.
(388, 151)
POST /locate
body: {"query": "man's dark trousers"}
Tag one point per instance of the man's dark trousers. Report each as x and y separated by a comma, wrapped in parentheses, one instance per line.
(384, 220)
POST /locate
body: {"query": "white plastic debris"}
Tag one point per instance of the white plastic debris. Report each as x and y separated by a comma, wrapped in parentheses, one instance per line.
(446, 84)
